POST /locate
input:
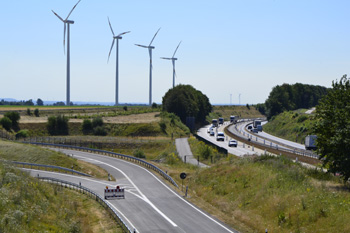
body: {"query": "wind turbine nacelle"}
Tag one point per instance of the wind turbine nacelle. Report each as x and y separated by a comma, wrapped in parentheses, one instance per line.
(151, 47)
(118, 37)
(174, 58)
(69, 21)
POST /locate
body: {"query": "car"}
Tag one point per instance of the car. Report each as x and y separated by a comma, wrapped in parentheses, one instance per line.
(250, 127)
(254, 130)
(212, 133)
(232, 143)
(220, 136)
(209, 129)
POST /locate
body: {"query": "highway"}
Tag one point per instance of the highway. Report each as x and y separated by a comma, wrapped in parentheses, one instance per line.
(150, 205)
(241, 149)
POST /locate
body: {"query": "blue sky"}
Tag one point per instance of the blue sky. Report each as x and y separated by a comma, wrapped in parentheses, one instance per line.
(228, 47)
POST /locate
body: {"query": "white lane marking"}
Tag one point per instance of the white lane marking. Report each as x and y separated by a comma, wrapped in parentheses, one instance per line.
(132, 225)
(139, 191)
(209, 217)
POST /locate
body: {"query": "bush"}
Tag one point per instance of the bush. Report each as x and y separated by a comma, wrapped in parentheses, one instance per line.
(139, 154)
(36, 112)
(6, 123)
(100, 131)
(125, 108)
(97, 122)
(29, 113)
(302, 118)
(22, 134)
(14, 117)
(57, 125)
(86, 126)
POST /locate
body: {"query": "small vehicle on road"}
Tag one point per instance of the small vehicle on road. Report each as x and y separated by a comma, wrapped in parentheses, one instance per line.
(212, 133)
(249, 127)
(209, 129)
(232, 143)
(220, 136)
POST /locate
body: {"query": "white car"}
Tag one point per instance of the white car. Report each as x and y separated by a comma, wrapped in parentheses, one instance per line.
(220, 136)
(232, 143)
(212, 133)
(209, 129)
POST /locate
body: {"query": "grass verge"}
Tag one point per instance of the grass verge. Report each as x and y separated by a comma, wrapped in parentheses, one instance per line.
(28, 205)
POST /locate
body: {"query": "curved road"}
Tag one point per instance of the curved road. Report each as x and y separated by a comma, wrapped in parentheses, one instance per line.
(150, 205)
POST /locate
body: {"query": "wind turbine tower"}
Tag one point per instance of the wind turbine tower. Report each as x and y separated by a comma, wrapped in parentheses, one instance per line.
(116, 38)
(173, 59)
(149, 47)
(66, 23)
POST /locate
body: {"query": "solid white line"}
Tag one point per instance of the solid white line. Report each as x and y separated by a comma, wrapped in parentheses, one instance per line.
(96, 181)
(143, 196)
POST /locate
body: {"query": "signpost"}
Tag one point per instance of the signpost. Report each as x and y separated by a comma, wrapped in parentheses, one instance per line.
(183, 176)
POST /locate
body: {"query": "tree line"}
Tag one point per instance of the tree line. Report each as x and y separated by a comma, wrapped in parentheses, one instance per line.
(288, 97)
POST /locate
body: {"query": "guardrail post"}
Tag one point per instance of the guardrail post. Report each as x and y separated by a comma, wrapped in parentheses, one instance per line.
(265, 152)
(252, 148)
(243, 145)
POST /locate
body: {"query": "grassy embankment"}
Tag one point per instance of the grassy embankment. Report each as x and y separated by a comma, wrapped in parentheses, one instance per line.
(33, 154)
(227, 111)
(291, 125)
(28, 205)
(252, 194)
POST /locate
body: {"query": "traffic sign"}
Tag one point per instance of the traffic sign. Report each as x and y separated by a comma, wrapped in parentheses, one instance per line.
(183, 175)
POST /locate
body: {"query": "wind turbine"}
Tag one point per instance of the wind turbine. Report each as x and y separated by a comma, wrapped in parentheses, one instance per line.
(149, 47)
(116, 37)
(173, 59)
(66, 23)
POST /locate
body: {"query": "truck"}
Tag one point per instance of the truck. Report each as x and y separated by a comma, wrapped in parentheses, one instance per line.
(256, 123)
(310, 142)
(259, 127)
(233, 119)
(215, 122)
(221, 121)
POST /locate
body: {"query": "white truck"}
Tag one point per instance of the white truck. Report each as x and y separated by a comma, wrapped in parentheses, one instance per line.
(310, 142)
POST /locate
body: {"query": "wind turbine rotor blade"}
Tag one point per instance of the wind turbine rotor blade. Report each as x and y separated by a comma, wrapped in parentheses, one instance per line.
(123, 33)
(110, 26)
(143, 46)
(110, 50)
(72, 9)
(58, 16)
(166, 58)
(177, 48)
(154, 37)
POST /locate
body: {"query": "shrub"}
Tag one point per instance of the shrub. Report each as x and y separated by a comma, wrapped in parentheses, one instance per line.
(125, 108)
(154, 105)
(14, 117)
(139, 154)
(58, 125)
(6, 123)
(36, 112)
(100, 131)
(302, 118)
(29, 113)
(22, 134)
(97, 121)
(86, 126)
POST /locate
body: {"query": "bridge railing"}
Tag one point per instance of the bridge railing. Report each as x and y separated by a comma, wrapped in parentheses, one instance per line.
(97, 197)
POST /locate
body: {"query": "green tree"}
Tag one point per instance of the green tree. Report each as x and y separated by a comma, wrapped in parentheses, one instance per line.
(87, 126)
(97, 121)
(185, 101)
(58, 125)
(36, 112)
(39, 102)
(333, 128)
(14, 117)
(6, 123)
(29, 113)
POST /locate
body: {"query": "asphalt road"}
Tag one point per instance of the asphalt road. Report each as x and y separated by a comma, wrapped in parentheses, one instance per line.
(150, 205)
(241, 149)
(183, 149)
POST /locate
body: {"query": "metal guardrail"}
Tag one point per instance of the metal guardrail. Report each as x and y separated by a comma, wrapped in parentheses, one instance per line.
(50, 166)
(98, 198)
(294, 151)
(112, 154)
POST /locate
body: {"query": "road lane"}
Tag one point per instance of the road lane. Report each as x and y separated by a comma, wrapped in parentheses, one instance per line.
(150, 204)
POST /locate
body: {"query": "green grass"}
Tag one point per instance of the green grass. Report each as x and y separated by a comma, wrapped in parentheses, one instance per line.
(291, 125)
(228, 110)
(28, 205)
(12, 151)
